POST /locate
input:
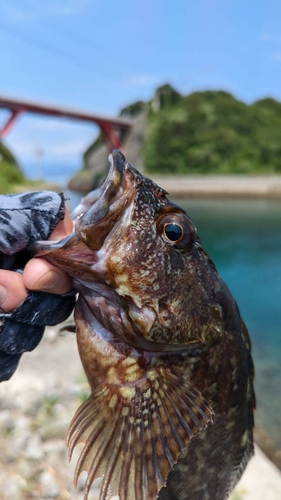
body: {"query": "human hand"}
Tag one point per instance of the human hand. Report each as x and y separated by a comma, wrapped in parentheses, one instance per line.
(25, 307)
(38, 275)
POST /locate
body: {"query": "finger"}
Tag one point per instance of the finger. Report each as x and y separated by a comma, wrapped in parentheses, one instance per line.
(12, 290)
(63, 228)
(40, 275)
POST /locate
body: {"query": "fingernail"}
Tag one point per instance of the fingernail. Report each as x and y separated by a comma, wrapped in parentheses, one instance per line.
(48, 281)
(3, 294)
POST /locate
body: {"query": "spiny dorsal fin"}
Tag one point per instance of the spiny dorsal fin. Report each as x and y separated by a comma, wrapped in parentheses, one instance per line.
(134, 434)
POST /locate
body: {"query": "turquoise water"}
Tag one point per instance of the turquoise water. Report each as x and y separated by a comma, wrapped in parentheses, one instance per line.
(243, 238)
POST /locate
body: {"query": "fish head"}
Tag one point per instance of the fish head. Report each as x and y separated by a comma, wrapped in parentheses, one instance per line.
(132, 240)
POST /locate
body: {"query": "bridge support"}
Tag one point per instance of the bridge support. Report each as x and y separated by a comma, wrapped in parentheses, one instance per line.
(10, 122)
(110, 136)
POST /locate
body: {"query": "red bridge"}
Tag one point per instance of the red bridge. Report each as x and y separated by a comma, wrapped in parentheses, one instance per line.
(109, 126)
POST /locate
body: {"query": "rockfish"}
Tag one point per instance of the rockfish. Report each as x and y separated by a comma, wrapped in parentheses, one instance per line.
(164, 348)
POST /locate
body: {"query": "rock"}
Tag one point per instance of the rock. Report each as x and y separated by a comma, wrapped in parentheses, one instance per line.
(55, 451)
(260, 481)
(95, 488)
(49, 485)
(17, 444)
(6, 421)
(51, 334)
(82, 480)
(12, 487)
(34, 449)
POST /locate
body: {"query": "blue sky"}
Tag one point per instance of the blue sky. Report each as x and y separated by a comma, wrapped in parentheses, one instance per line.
(101, 55)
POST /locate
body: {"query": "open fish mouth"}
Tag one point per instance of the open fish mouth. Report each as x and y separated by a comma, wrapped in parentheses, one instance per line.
(101, 208)
(103, 194)
(114, 196)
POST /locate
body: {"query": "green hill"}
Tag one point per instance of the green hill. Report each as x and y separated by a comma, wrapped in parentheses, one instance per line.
(10, 173)
(212, 132)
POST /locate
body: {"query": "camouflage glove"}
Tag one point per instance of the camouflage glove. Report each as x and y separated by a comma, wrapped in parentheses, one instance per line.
(25, 218)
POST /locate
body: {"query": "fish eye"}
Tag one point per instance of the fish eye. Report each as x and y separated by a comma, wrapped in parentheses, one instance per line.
(173, 231)
(176, 230)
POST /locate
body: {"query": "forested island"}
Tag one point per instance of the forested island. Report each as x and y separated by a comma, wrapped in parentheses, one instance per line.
(211, 133)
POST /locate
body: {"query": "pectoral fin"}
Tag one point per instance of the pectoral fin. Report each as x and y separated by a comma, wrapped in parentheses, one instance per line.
(134, 434)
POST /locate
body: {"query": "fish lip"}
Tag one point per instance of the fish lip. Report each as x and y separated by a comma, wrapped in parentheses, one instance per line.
(109, 188)
(40, 248)
(117, 162)
(93, 210)
(111, 182)
(115, 176)
(115, 196)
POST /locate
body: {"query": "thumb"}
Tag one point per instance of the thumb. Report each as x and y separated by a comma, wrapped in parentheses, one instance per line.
(40, 275)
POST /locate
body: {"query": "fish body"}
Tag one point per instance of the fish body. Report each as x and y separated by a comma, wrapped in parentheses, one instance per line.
(164, 348)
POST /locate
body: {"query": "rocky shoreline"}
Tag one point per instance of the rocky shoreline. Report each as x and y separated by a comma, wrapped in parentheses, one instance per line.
(36, 407)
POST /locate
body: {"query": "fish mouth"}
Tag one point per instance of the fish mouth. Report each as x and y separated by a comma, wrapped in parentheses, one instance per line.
(115, 195)
(99, 211)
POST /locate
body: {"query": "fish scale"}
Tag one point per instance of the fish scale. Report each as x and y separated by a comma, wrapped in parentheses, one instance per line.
(165, 351)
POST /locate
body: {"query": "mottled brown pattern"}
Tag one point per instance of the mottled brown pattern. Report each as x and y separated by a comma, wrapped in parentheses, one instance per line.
(162, 343)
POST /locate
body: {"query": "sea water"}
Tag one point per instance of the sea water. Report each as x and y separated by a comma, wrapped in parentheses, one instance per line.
(243, 238)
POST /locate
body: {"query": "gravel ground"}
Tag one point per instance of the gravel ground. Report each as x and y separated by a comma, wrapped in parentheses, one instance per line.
(36, 407)
(261, 480)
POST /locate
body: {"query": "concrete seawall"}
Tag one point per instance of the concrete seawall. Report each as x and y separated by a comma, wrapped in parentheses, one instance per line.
(222, 186)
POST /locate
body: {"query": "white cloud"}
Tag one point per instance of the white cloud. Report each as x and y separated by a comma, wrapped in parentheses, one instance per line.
(264, 36)
(68, 149)
(60, 125)
(143, 81)
(65, 149)
(269, 38)
(277, 57)
(14, 13)
(68, 8)
(27, 151)
(34, 10)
